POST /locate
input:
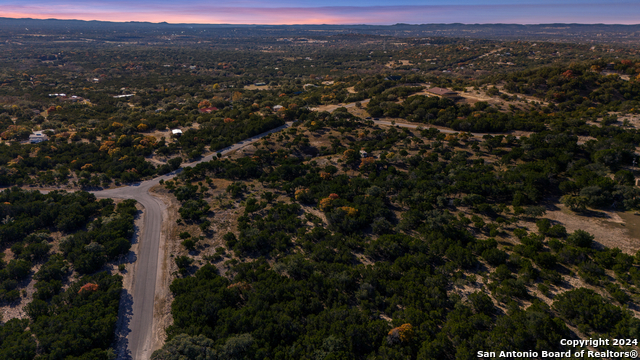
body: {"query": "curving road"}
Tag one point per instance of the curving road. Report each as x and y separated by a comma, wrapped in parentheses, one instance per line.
(146, 270)
(146, 274)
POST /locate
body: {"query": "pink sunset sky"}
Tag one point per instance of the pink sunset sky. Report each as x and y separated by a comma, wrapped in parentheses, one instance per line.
(329, 11)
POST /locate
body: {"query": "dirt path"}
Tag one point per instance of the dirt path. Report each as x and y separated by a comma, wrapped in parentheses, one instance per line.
(395, 122)
(331, 108)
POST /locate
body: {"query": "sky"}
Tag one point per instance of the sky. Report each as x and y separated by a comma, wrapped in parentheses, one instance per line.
(383, 12)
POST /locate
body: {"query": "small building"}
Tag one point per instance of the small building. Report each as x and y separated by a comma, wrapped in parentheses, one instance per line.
(442, 92)
(363, 154)
(260, 84)
(277, 107)
(37, 137)
(176, 132)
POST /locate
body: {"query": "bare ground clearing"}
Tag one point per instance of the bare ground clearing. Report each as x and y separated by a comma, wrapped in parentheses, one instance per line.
(611, 229)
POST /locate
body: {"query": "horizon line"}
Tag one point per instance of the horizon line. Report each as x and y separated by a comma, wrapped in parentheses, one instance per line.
(291, 24)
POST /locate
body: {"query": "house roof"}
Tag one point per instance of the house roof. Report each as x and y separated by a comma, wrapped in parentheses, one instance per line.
(176, 131)
(38, 135)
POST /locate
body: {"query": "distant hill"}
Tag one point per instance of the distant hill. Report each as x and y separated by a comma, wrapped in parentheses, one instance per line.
(627, 34)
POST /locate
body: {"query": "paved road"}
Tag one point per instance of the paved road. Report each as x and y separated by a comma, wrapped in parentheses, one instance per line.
(140, 339)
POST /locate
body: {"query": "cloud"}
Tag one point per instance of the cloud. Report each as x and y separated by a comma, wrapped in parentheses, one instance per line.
(197, 12)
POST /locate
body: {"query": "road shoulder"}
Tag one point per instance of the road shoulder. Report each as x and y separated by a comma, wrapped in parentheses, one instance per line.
(162, 305)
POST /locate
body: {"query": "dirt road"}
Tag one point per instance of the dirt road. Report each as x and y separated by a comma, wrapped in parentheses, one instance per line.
(332, 108)
(415, 126)
(139, 344)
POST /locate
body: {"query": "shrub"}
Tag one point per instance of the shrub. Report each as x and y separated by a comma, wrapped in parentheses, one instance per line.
(580, 238)
(495, 257)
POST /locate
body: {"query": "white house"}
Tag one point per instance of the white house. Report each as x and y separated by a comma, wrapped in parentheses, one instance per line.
(38, 137)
